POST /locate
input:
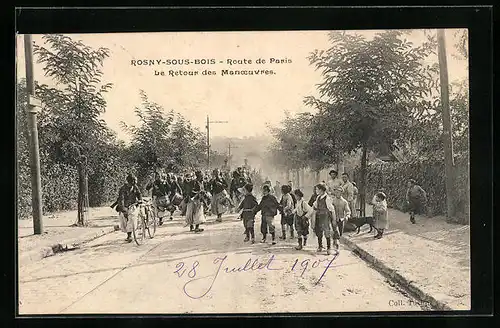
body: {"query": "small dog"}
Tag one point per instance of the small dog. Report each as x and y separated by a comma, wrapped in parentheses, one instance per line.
(359, 222)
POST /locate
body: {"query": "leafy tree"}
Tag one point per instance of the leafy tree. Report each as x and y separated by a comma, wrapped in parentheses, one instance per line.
(291, 140)
(459, 106)
(166, 140)
(371, 91)
(72, 116)
(150, 139)
(22, 151)
(189, 145)
(462, 43)
(70, 126)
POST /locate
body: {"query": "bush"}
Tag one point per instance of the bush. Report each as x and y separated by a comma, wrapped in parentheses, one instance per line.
(105, 182)
(59, 188)
(392, 179)
(23, 191)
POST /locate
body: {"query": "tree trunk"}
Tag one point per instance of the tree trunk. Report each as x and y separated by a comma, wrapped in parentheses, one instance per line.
(340, 164)
(83, 194)
(317, 173)
(447, 128)
(297, 178)
(362, 182)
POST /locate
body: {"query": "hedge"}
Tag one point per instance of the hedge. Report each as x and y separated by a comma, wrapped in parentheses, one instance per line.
(392, 179)
(60, 187)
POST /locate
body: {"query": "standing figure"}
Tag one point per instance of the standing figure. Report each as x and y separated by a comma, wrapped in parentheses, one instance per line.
(128, 197)
(302, 213)
(206, 187)
(355, 195)
(236, 183)
(380, 214)
(286, 210)
(348, 193)
(416, 199)
(186, 191)
(326, 221)
(158, 195)
(342, 210)
(195, 208)
(313, 198)
(271, 188)
(219, 198)
(174, 193)
(268, 207)
(334, 181)
(248, 206)
(277, 189)
(239, 181)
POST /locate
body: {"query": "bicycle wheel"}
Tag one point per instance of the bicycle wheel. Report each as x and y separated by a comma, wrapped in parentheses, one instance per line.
(139, 231)
(151, 223)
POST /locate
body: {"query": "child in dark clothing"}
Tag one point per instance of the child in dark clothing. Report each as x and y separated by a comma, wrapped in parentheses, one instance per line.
(287, 207)
(269, 208)
(302, 213)
(313, 198)
(248, 206)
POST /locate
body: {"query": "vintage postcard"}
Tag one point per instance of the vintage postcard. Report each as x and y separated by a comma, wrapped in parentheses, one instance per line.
(243, 172)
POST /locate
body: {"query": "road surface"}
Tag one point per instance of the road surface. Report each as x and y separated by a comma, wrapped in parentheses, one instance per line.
(212, 272)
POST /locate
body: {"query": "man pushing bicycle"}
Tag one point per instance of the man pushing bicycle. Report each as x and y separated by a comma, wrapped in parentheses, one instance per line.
(129, 196)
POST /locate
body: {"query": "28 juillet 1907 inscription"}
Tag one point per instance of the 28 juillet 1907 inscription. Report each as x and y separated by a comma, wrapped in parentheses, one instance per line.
(251, 69)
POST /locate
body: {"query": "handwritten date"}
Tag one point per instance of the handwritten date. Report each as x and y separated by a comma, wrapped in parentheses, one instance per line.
(221, 267)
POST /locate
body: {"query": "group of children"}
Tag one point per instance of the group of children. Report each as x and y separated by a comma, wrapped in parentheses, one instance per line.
(326, 214)
(296, 215)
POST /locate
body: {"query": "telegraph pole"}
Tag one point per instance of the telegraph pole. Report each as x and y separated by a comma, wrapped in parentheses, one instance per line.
(83, 189)
(208, 142)
(447, 128)
(229, 153)
(36, 183)
(208, 138)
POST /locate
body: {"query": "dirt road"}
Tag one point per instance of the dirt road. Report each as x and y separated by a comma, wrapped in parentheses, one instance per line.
(211, 272)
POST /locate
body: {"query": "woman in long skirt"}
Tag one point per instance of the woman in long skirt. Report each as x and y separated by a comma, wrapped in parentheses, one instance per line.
(195, 208)
(218, 188)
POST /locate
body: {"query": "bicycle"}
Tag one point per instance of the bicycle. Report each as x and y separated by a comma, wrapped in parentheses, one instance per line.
(145, 221)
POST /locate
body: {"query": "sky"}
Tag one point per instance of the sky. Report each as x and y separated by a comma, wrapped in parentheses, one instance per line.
(247, 103)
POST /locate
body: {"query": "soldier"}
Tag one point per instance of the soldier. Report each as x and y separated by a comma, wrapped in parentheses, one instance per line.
(217, 187)
(128, 197)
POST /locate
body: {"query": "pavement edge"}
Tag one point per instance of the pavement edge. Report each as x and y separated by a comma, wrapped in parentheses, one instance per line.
(394, 276)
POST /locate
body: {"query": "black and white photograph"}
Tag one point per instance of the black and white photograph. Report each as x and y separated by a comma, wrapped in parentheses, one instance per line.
(235, 172)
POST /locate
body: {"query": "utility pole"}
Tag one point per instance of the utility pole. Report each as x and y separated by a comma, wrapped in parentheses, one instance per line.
(33, 103)
(447, 128)
(208, 142)
(229, 153)
(208, 138)
(83, 189)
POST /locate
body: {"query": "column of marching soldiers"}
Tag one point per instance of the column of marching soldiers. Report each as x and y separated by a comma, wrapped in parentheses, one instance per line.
(331, 207)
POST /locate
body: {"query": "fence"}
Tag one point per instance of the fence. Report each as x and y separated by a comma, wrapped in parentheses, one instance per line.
(392, 178)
